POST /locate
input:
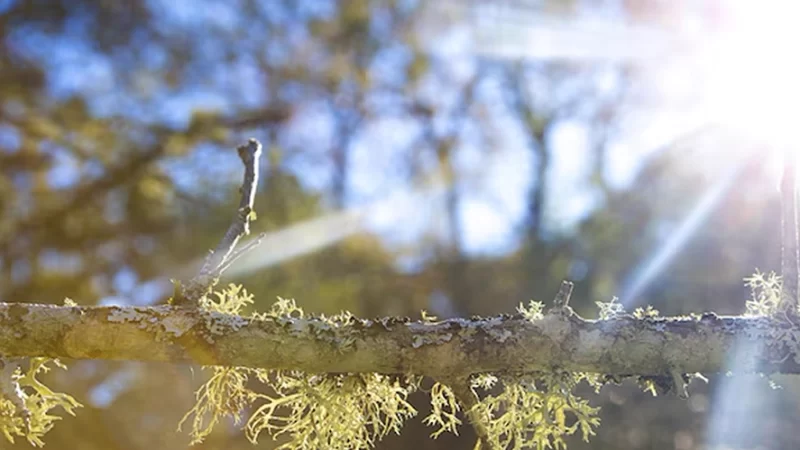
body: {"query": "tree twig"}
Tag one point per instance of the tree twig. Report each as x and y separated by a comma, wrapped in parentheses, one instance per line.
(790, 258)
(242, 251)
(217, 261)
(561, 302)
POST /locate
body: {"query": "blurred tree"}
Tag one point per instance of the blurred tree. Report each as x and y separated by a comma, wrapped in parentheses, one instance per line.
(116, 173)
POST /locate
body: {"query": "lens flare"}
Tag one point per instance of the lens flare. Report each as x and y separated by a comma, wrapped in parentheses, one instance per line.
(751, 71)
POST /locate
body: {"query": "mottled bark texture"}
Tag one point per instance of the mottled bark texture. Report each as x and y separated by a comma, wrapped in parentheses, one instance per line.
(558, 341)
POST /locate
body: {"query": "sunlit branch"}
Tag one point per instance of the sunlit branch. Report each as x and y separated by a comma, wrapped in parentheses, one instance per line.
(456, 347)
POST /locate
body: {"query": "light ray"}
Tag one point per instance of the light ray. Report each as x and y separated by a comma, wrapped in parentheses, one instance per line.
(651, 268)
(298, 240)
(305, 237)
(322, 232)
(733, 408)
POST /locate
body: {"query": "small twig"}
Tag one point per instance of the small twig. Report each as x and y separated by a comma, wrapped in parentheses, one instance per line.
(679, 386)
(790, 258)
(242, 251)
(561, 302)
(219, 260)
(468, 399)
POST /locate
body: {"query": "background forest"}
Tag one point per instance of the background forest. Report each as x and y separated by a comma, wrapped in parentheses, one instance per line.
(455, 157)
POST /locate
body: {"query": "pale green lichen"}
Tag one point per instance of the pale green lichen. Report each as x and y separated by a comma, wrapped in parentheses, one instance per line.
(175, 325)
(126, 315)
(224, 395)
(221, 311)
(353, 411)
(493, 327)
(419, 340)
(536, 411)
(342, 411)
(230, 301)
(428, 318)
(444, 410)
(219, 324)
(39, 400)
(337, 412)
(157, 320)
(610, 310)
(337, 330)
(765, 293)
(534, 310)
(645, 313)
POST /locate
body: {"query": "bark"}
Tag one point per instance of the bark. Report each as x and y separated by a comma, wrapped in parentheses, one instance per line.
(790, 258)
(457, 347)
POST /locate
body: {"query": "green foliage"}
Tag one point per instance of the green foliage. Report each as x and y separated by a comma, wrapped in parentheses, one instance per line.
(537, 411)
(38, 399)
(765, 293)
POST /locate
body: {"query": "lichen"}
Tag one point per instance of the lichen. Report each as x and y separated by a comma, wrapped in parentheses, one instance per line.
(125, 315)
(175, 325)
(536, 411)
(533, 312)
(420, 340)
(610, 310)
(444, 410)
(494, 328)
(765, 293)
(38, 399)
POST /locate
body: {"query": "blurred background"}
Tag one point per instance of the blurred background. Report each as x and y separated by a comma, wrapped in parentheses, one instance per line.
(454, 156)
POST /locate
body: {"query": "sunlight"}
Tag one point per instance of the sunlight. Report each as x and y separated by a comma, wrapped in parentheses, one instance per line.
(664, 255)
(737, 68)
(329, 229)
(735, 399)
(751, 69)
(752, 87)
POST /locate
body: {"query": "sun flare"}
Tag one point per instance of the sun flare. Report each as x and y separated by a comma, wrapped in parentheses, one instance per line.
(751, 70)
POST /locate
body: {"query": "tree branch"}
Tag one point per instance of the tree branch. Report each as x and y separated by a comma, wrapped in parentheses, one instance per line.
(442, 350)
(790, 258)
(217, 261)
